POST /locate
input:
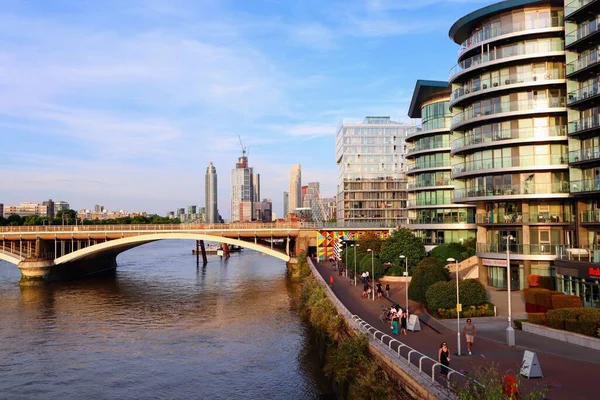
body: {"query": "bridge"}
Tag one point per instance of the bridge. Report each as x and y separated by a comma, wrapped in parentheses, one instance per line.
(54, 252)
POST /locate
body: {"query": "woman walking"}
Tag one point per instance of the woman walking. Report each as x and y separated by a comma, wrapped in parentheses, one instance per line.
(444, 358)
(403, 323)
(395, 320)
(387, 290)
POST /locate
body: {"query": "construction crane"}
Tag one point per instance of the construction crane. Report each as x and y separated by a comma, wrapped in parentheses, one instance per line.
(245, 150)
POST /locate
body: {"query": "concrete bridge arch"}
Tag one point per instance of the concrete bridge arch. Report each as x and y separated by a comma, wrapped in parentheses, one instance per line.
(10, 258)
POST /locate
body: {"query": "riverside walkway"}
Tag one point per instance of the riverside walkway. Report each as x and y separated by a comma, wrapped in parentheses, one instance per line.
(570, 371)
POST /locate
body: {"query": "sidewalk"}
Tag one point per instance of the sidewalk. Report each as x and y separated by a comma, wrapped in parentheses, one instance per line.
(569, 378)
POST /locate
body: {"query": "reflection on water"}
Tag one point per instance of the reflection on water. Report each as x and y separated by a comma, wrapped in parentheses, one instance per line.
(158, 328)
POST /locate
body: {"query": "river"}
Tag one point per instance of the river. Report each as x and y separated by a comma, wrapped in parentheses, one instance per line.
(159, 328)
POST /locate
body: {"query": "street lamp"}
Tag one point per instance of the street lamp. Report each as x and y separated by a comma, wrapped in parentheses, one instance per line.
(355, 246)
(346, 263)
(450, 260)
(402, 257)
(510, 332)
(372, 271)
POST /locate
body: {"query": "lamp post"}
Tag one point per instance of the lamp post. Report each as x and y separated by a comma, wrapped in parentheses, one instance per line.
(355, 246)
(450, 260)
(372, 272)
(346, 263)
(510, 332)
(402, 257)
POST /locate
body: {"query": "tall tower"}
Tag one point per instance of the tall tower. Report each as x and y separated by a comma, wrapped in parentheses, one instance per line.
(286, 204)
(295, 192)
(241, 190)
(210, 194)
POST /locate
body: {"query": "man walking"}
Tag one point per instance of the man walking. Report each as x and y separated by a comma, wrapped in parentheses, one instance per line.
(470, 332)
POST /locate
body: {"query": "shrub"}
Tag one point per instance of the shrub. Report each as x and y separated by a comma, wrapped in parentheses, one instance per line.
(537, 318)
(556, 318)
(572, 325)
(588, 320)
(457, 251)
(530, 294)
(565, 301)
(472, 292)
(428, 272)
(519, 323)
(441, 295)
(538, 281)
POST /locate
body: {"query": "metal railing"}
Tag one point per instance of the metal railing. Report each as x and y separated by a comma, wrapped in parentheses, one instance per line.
(430, 164)
(508, 134)
(584, 61)
(575, 5)
(589, 154)
(583, 93)
(454, 219)
(525, 249)
(585, 185)
(590, 216)
(508, 162)
(430, 183)
(513, 190)
(589, 254)
(582, 32)
(584, 124)
(523, 218)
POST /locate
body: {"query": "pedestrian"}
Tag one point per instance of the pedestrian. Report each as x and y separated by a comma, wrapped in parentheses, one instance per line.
(387, 290)
(395, 318)
(444, 358)
(365, 289)
(330, 280)
(403, 321)
(470, 332)
(379, 290)
(367, 276)
(363, 276)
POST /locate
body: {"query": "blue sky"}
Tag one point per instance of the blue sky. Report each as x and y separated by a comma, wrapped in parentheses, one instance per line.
(124, 103)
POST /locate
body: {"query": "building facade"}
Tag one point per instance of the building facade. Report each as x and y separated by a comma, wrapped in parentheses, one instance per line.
(263, 210)
(286, 204)
(509, 135)
(432, 214)
(210, 194)
(26, 209)
(371, 182)
(295, 189)
(1, 210)
(241, 191)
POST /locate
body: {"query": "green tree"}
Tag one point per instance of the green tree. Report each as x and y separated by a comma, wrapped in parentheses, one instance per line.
(429, 271)
(403, 242)
(14, 220)
(458, 251)
(32, 220)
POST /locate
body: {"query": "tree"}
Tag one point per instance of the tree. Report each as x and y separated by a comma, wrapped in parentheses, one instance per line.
(32, 220)
(403, 242)
(14, 220)
(429, 271)
(458, 251)
(370, 241)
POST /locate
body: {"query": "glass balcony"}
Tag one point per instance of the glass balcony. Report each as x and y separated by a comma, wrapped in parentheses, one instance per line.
(490, 31)
(582, 94)
(443, 219)
(585, 185)
(517, 49)
(505, 80)
(590, 254)
(509, 134)
(583, 62)
(498, 108)
(508, 162)
(432, 145)
(513, 190)
(590, 217)
(589, 154)
(582, 31)
(431, 164)
(584, 124)
(575, 5)
(430, 183)
(524, 218)
(525, 249)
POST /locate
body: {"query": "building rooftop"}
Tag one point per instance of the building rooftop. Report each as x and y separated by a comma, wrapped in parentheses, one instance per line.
(424, 90)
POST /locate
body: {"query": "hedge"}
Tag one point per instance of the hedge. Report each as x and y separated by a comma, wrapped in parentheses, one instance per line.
(580, 320)
(565, 301)
(538, 281)
(538, 299)
(442, 295)
(537, 318)
(484, 310)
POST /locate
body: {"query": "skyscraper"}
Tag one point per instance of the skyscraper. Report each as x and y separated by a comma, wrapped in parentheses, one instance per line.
(295, 191)
(210, 194)
(241, 190)
(286, 204)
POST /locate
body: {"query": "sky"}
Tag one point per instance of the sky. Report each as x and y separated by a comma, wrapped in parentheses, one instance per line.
(125, 103)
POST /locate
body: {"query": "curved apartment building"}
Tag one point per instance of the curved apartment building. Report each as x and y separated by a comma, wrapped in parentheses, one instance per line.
(431, 212)
(509, 141)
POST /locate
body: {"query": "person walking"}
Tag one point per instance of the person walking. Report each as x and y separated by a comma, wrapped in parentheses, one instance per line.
(363, 276)
(379, 290)
(470, 331)
(444, 358)
(395, 319)
(403, 321)
(330, 280)
(387, 290)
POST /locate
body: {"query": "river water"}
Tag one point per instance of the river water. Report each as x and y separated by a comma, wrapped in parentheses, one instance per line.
(159, 328)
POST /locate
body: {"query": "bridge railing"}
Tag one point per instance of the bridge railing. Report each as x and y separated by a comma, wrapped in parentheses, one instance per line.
(195, 226)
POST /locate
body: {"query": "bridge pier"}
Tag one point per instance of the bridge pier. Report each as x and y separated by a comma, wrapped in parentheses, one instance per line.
(35, 271)
(39, 271)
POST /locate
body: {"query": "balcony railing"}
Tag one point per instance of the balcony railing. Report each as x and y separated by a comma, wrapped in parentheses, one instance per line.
(525, 249)
(590, 254)
(498, 108)
(585, 185)
(509, 162)
(524, 218)
(432, 164)
(455, 219)
(489, 32)
(584, 62)
(584, 124)
(582, 94)
(505, 80)
(499, 53)
(590, 217)
(514, 190)
(582, 32)
(576, 5)
(589, 154)
(508, 134)
(433, 145)
(430, 183)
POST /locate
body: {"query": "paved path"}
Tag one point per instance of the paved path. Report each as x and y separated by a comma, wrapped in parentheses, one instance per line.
(569, 378)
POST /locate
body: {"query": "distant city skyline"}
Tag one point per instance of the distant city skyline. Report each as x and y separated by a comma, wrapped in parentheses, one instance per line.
(151, 92)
